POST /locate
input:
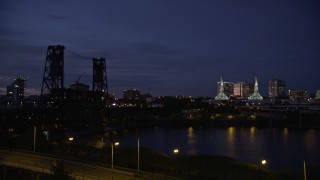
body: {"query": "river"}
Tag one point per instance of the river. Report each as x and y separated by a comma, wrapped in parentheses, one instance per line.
(283, 148)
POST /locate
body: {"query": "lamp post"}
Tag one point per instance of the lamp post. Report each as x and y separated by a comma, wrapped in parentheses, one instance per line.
(304, 170)
(34, 138)
(138, 156)
(175, 154)
(113, 144)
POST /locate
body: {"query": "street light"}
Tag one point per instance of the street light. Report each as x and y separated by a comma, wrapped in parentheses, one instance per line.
(264, 162)
(304, 170)
(138, 156)
(115, 144)
(176, 151)
(34, 138)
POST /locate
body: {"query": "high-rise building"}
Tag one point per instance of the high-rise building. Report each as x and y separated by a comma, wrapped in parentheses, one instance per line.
(277, 88)
(131, 94)
(15, 91)
(242, 90)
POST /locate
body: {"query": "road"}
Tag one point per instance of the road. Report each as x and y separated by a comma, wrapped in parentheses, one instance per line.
(41, 163)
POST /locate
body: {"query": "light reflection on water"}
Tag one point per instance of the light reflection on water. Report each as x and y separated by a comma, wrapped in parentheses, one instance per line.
(282, 148)
(191, 142)
(231, 142)
(311, 139)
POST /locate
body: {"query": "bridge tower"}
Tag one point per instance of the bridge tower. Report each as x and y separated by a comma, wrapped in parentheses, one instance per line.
(99, 82)
(53, 74)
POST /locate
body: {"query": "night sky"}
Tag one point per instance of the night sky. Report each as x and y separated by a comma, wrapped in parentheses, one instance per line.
(164, 47)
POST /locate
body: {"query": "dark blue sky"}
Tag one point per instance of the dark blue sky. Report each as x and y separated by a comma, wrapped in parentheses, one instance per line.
(165, 47)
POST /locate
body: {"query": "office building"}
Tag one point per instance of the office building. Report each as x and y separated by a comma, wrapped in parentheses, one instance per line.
(131, 94)
(297, 95)
(15, 91)
(277, 88)
(242, 90)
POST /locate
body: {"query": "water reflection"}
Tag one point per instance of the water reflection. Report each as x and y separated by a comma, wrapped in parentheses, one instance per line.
(252, 135)
(231, 131)
(191, 141)
(190, 132)
(285, 133)
(231, 141)
(311, 140)
(252, 131)
(283, 148)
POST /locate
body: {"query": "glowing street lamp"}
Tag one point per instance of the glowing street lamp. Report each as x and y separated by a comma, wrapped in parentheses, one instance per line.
(304, 170)
(113, 144)
(34, 138)
(138, 156)
(176, 151)
(264, 162)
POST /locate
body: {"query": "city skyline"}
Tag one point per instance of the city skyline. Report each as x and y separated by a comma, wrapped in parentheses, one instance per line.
(164, 47)
(234, 91)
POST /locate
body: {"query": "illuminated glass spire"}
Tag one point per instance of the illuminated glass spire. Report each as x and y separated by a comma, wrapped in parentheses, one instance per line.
(317, 94)
(255, 95)
(221, 95)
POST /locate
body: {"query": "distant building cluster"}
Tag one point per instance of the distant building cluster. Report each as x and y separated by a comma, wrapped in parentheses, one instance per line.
(81, 96)
(249, 91)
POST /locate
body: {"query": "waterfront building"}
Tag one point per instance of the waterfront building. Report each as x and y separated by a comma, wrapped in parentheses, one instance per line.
(277, 88)
(221, 95)
(297, 94)
(242, 90)
(255, 95)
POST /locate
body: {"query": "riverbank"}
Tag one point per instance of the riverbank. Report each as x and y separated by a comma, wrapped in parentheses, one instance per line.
(180, 167)
(177, 165)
